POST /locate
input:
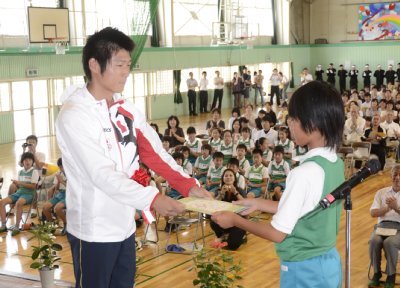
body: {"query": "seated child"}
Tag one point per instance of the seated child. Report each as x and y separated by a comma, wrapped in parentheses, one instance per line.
(298, 151)
(187, 166)
(166, 142)
(244, 164)
(278, 170)
(233, 164)
(267, 153)
(229, 191)
(203, 163)
(26, 188)
(178, 157)
(227, 146)
(215, 140)
(286, 143)
(246, 140)
(57, 198)
(193, 143)
(214, 173)
(257, 176)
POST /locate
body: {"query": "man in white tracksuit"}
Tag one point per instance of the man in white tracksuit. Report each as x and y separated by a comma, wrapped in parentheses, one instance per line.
(102, 138)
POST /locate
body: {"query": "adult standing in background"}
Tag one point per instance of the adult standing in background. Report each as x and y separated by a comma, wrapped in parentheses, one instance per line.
(192, 85)
(237, 90)
(379, 75)
(258, 81)
(218, 90)
(102, 138)
(353, 77)
(319, 72)
(305, 77)
(275, 82)
(342, 74)
(367, 76)
(283, 86)
(331, 73)
(390, 75)
(247, 84)
(203, 87)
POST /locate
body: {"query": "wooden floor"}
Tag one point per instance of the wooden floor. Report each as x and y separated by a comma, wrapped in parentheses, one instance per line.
(160, 269)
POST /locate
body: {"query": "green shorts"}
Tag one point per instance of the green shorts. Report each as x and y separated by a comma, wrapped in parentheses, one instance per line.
(28, 197)
(58, 198)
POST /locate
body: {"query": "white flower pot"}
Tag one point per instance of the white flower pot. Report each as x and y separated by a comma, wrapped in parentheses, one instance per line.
(47, 277)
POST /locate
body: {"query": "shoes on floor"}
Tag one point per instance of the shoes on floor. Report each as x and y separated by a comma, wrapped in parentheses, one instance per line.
(375, 282)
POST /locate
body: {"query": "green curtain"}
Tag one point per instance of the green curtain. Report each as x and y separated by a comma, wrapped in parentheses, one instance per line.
(142, 15)
(177, 85)
(155, 35)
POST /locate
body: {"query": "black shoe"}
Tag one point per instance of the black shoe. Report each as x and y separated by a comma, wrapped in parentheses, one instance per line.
(375, 280)
(390, 281)
(194, 114)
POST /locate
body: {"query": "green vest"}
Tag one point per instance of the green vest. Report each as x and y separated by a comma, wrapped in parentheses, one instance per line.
(315, 233)
(204, 164)
(256, 174)
(227, 151)
(215, 144)
(278, 171)
(216, 173)
(26, 177)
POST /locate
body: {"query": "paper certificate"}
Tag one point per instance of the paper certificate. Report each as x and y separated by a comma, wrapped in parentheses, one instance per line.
(208, 206)
(385, 231)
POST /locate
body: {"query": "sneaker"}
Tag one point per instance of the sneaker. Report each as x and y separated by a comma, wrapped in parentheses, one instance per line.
(3, 229)
(15, 231)
(390, 281)
(375, 280)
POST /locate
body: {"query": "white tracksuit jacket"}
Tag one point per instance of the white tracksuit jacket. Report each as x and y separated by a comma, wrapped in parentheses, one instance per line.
(101, 148)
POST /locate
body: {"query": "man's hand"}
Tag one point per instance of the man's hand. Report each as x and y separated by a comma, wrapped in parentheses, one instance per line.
(392, 203)
(199, 192)
(167, 206)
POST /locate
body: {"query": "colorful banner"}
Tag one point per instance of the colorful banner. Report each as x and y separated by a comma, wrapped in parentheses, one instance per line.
(380, 21)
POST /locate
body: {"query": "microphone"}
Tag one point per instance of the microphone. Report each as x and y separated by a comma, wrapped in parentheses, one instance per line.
(372, 167)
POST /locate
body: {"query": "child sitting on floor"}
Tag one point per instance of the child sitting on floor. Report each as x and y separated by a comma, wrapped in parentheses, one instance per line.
(278, 170)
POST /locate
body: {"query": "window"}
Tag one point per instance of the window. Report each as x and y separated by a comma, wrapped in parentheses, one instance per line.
(40, 94)
(20, 95)
(161, 82)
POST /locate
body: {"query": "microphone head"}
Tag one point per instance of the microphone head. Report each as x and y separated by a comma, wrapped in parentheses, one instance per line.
(373, 166)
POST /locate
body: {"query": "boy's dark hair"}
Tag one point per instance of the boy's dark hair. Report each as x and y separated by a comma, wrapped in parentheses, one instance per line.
(367, 94)
(374, 100)
(206, 147)
(241, 146)
(59, 162)
(219, 155)
(226, 131)
(32, 137)
(233, 161)
(27, 155)
(244, 120)
(184, 149)
(166, 138)
(319, 107)
(155, 126)
(191, 130)
(267, 118)
(102, 45)
(261, 141)
(257, 151)
(279, 149)
(216, 110)
(178, 155)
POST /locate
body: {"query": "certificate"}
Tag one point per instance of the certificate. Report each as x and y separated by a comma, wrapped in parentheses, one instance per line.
(208, 206)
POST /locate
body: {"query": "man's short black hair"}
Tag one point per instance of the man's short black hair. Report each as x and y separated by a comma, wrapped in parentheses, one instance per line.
(102, 45)
(319, 107)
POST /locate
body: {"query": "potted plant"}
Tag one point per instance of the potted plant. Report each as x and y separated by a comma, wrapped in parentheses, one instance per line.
(44, 255)
(216, 270)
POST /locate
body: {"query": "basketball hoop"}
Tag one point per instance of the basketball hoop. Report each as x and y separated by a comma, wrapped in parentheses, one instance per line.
(61, 45)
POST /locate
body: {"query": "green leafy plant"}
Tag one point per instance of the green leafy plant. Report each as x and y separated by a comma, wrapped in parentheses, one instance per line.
(44, 255)
(216, 270)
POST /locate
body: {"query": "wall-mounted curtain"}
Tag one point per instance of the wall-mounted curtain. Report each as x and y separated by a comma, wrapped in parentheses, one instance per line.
(144, 13)
(155, 27)
(177, 85)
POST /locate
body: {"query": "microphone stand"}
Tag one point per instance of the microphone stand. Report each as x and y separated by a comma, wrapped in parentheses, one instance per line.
(348, 206)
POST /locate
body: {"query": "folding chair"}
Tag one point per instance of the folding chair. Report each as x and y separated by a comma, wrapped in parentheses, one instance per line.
(145, 240)
(26, 209)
